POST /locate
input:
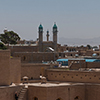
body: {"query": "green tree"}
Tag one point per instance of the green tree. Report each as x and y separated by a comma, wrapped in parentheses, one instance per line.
(95, 47)
(89, 47)
(9, 37)
(2, 46)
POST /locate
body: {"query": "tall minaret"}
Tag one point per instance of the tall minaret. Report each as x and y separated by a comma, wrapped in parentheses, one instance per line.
(47, 35)
(55, 36)
(40, 37)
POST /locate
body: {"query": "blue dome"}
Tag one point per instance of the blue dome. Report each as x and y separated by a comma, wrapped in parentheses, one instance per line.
(47, 31)
(55, 26)
(40, 27)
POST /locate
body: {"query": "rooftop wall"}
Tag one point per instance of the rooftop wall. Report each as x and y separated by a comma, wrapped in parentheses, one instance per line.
(34, 57)
(4, 67)
(15, 70)
(10, 68)
(33, 71)
(66, 92)
(23, 48)
(8, 93)
(72, 76)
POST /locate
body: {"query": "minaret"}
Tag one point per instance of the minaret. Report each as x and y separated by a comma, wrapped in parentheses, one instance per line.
(47, 35)
(55, 36)
(40, 37)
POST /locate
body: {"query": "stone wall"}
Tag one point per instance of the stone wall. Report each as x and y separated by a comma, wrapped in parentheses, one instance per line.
(10, 68)
(7, 93)
(33, 71)
(73, 76)
(67, 92)
(92, 92)
(23, 49)
(34, 57)
(79, 65)
(4, 67)
(15, 70)
(92, 64)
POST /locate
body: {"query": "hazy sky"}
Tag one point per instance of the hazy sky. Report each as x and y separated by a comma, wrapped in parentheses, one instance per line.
(74, 18)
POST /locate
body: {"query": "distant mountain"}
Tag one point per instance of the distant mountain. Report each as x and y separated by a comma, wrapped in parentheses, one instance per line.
(79, 41)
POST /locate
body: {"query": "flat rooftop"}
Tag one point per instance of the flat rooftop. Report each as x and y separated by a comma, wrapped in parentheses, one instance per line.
(57, 84)
(81, 70)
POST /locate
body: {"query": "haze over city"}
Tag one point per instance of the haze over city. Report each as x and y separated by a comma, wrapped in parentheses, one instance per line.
(74, 18)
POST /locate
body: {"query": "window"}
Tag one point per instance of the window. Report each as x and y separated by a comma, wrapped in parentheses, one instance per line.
(24, 58)
(94, 75)
(77, 98)
(68, 88)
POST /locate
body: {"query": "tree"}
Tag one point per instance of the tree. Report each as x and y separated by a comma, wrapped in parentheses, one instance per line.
(2, 46)
(89, 47)
(9, 37)
(95, 47)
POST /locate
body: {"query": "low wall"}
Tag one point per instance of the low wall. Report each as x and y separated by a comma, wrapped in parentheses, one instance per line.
(23, 48)
(4, 67)
(33, 70)
(53, 92)
(72, 76)
(85, 65)
(8, 93)
(93, 64)
(15, 70)
(36, 57)
(76, 66)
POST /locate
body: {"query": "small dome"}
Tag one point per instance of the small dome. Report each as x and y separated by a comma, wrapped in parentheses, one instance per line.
(47, 31)
(40, 27)
(55, 26)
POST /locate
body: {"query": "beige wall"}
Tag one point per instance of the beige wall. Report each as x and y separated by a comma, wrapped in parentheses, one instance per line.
(33, 70)
(85, 65)
(93, 92)
(4, 67)
(93, 64)
(73, 76)
(76, 65)
(7, 93)
(10, 68)
(23, 48)
(15, 70)
(55, 92)
(34, 57)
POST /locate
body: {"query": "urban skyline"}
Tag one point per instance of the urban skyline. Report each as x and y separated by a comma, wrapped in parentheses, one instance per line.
(75, 18)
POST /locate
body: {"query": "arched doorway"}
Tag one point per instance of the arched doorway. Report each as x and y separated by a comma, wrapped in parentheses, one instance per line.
(77, 98)
(59, 99)
(35, 98)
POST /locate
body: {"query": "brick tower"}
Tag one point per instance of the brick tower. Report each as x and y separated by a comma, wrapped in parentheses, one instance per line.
(55, 36)
(47, 35)
(40, 37)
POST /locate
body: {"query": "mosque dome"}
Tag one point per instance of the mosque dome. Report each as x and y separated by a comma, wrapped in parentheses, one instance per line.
(40, 27)
(55, 26)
